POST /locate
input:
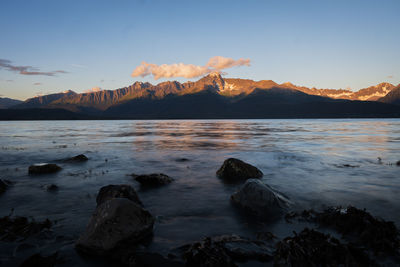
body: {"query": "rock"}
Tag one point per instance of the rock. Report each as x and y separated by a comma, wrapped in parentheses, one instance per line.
(15, 228)
(79, 158)
(259, 199)
(115, 223)
(225, 250)
(398, 163)
(4, 184)
(312, 248)
(42, 168)
(235, 169)
(154, 179)
(37, 260)
(117, 191)
(182, 160)
(51, 187)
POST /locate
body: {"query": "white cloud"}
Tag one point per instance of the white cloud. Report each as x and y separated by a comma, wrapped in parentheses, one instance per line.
(215, 64)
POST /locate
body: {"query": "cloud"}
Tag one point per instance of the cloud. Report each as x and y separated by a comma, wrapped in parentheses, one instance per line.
(37, 84)
(27, 70)
(94, 89)
(215, 64)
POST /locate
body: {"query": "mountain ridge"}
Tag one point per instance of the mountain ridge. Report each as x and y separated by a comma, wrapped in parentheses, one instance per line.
(213, 96)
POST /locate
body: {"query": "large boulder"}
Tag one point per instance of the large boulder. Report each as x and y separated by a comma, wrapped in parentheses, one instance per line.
(117, 191)
(235, 169)
(115, 224)
(154, 179)
(42, 168)
(259, 199)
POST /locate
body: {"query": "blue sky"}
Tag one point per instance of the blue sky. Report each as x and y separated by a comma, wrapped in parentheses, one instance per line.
(326, 44)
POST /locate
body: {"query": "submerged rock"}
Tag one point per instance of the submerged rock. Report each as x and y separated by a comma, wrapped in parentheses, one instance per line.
(51, 187)
(115, 223)
(259, 199)
(154, 179)
(312, 248)
(4, 184)
(79, 158)
(234, 169)
(225, 251)
(117, 191)
(42, 168)
(15, 228)
(38, 260)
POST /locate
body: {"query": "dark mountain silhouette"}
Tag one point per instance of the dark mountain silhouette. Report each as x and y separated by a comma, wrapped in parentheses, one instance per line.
(215, 97)
(8, 102)
(393, 97)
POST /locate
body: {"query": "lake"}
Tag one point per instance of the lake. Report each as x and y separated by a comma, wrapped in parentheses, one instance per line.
(316, 163)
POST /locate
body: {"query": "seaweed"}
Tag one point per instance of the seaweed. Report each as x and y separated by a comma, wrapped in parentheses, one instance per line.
(313, 248)
(18, 227)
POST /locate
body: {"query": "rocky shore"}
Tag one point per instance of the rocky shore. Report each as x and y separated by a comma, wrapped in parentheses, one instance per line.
(121, 226)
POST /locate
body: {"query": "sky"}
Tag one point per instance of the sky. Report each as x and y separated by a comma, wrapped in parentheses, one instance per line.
(53, 46)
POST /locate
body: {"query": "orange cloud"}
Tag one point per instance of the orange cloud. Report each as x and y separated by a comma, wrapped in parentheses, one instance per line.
(215, 64)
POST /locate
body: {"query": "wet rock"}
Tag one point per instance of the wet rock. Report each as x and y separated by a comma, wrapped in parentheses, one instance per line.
(312, 248)
(78, 158)
(235, 169)
(259, 199)
(154, 179)
(37, 260)
(43, 168)
(4, 184)
(398, 163)
(13, 228)
(117, 191)
(115, 223)
(51, 187)
(225, 251)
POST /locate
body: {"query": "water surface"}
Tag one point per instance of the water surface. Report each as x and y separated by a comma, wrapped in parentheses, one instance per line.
(314, 162)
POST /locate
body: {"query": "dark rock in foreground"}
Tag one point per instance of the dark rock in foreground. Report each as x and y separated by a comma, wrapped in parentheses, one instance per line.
(259, 199)
(398, 163)
(43, 168)
(154, 179)
(225, 251)
(38, 260)
(117, 191)
(15, 228)
(312, 248)
(78, 158)
(115, 223)
(235, 169)
(4, 184)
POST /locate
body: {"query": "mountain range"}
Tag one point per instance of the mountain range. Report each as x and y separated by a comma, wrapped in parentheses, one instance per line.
(212, 97)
